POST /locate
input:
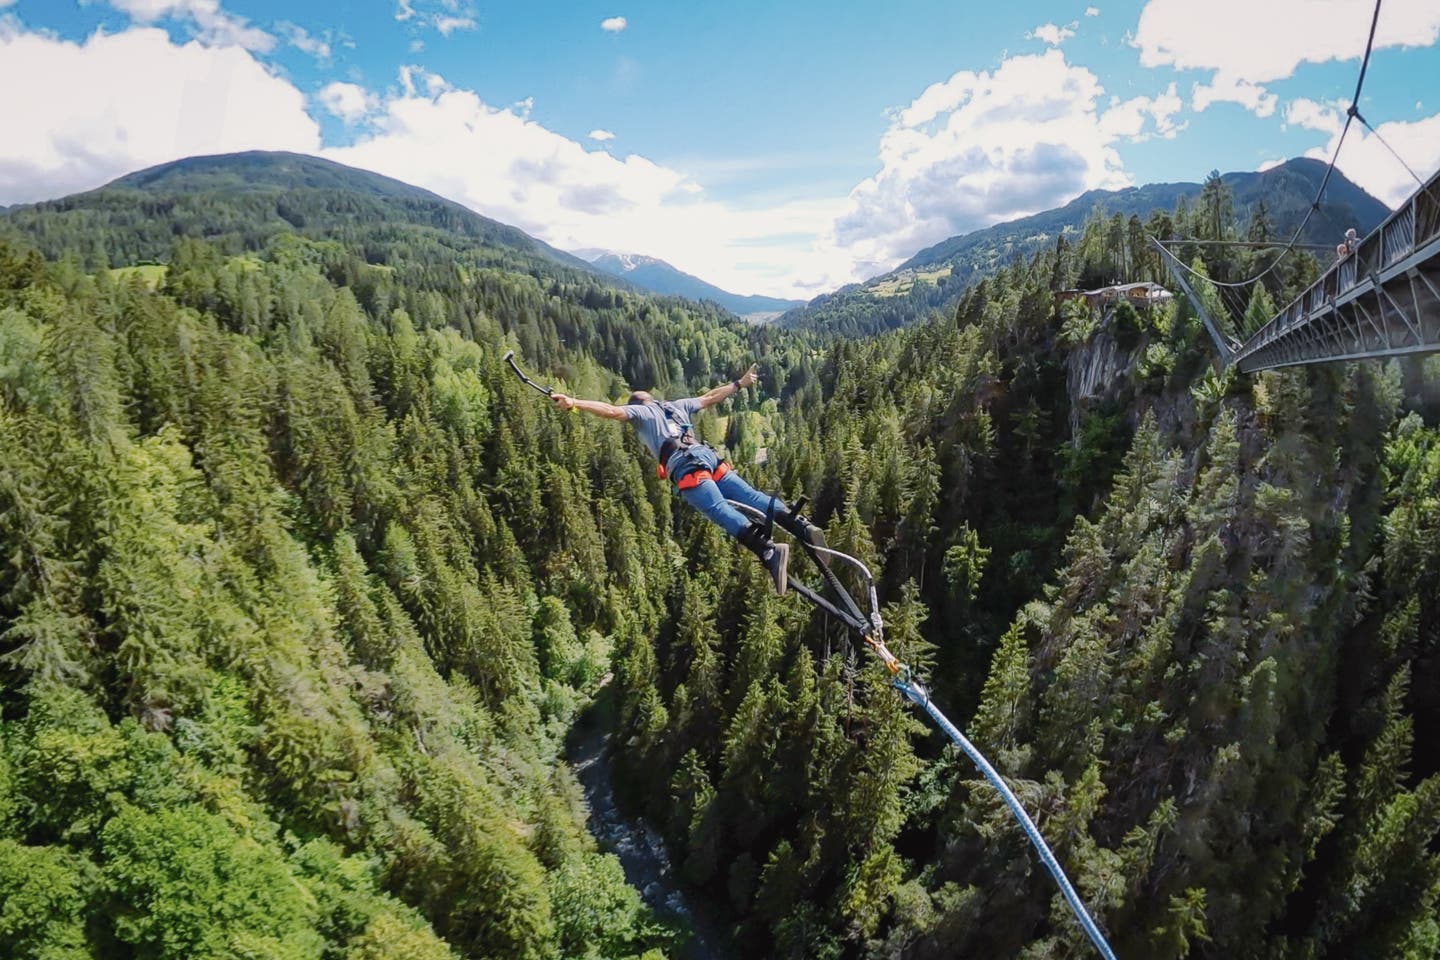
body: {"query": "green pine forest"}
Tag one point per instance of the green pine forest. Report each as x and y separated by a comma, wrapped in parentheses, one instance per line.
(301, 593)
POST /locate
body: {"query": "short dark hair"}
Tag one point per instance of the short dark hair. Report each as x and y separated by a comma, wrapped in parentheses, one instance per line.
(639, 396)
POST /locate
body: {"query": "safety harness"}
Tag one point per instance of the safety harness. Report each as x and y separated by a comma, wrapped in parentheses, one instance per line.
(684, 441)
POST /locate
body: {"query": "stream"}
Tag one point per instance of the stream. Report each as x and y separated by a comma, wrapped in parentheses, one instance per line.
(638, 845)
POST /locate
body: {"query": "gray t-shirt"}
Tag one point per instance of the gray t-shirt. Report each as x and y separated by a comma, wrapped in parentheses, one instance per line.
(654, 426)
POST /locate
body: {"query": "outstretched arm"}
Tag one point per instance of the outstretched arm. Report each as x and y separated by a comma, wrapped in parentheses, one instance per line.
(727, 390)
(596, 407)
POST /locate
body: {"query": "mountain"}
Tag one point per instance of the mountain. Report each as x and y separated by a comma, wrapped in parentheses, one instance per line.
(657, 276)
(137, 217)
(938, 274)
(394, 245)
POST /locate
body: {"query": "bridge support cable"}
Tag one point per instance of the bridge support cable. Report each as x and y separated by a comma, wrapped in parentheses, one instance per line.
(1224, 347)
(871, 630)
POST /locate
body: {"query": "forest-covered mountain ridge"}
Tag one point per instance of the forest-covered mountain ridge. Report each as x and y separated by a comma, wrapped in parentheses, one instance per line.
(278, 192)
(654, 274)
(938, 274)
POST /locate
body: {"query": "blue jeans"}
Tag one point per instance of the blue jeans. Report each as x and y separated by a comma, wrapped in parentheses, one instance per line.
(709, 496)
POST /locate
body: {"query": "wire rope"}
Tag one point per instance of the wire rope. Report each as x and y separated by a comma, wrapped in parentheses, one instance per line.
(1350, 116)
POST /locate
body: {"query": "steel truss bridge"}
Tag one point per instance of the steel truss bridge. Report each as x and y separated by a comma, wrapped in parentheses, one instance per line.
(1380, 300)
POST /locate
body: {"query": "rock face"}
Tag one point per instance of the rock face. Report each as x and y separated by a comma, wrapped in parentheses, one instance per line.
(1098, 371)
(1131, 374)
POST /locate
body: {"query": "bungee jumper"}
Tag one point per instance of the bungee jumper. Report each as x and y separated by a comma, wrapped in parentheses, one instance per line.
(703, 478)
(711, 486)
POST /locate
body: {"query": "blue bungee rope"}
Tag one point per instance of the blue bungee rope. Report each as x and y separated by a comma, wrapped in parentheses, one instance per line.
(917, 694)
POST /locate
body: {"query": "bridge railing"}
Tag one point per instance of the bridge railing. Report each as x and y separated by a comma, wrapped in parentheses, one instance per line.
(1414, 223)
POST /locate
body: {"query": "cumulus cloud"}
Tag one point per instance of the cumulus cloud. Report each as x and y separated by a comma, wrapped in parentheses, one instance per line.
(348, 101)
(500, 162)
(301, 39)
(1127, 118)
(213, 26)
(1324, 117)
(981, 148)
(503, 163)
(1092, 11)
(1050, 34)
(614, 24)
(119, 102)
(413, 78)
(1363, 158)
(1260, 42)
(601, 135)
(1248, 44)
(1227, 89)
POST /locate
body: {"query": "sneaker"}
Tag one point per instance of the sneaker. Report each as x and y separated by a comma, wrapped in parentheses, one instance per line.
(802, 529)
(812, 534)
(776, 558)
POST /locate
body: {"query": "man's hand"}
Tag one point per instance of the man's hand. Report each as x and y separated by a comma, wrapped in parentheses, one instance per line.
(562, 401)
(749, 377)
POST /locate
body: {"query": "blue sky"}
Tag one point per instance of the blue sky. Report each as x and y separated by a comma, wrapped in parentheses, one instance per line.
(780, 149)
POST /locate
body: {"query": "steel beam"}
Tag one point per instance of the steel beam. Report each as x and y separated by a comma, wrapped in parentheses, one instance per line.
(1381, 301)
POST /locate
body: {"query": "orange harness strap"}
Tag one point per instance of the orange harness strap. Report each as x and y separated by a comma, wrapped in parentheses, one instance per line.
(692, 480)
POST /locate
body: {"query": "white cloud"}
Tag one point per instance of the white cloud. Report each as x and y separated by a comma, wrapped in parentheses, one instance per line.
(1266, 41)
(417, 46)
(119, 102)
(1050, 34)
(445, 16)
(980, 148)
(614, 24)
(1364, 159)
(348, 101)
(448, 25)
(1092, 11)
(1226, 89)
(1126, 119)
(1324, 117)
(5, 3)
(413, 78)
(213, 26)
(1271, 164)
(601, 135)
(506, 166)
(300, 38)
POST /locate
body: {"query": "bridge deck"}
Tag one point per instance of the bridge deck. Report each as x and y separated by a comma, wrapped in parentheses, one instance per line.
(1383, 300)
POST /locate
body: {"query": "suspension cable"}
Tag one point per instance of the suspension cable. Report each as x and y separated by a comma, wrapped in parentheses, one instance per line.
(1384, 143)
(1350, 115)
